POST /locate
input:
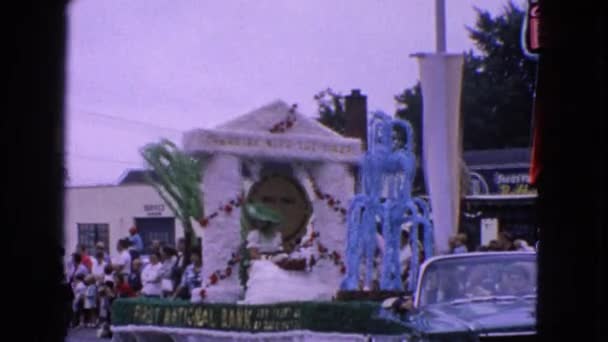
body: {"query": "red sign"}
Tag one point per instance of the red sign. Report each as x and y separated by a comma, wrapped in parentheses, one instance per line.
(531, 35)
(533, 27)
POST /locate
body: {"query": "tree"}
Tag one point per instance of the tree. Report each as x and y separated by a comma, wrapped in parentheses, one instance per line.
(411, 110)
(178, 178)
(331, 110)
(497, 86)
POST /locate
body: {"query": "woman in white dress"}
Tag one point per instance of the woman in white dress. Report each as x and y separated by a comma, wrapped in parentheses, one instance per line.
(269, 283)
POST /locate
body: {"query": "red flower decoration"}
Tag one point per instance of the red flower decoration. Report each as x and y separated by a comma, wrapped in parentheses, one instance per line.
(204, 222)
(228, 208)
(203, 293)
(331, 202)
(321, 248)
(336, 256)
(342, 269)
(213, 279)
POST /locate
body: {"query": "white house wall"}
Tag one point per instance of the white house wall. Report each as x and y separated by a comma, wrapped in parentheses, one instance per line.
(116, 206)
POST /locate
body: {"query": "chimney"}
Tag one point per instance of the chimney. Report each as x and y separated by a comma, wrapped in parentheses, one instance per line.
(355, 109)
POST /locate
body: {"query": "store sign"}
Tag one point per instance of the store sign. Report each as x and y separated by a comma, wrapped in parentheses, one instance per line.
(154, 209)
(511, 181)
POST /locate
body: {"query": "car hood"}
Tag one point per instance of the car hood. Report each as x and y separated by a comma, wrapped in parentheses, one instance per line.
(502, 316)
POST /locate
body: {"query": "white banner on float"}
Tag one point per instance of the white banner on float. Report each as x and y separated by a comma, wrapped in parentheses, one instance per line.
(441, 80)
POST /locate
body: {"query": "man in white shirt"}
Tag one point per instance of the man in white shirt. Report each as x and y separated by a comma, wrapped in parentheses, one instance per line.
(151, 277)
(99, 265)
(122, 264)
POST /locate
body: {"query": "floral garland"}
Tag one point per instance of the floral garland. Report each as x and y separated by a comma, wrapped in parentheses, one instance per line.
(331, 201)
(227, 209)
(218, 275)
(324, 253)
(284, 125)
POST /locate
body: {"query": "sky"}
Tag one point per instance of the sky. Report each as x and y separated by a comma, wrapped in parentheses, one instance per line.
(139, 70)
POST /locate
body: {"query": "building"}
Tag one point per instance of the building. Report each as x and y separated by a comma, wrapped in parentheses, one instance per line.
(106, 212)
(500, 197)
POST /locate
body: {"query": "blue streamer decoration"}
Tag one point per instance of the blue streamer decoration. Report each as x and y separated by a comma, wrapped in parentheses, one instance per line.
(387, 175)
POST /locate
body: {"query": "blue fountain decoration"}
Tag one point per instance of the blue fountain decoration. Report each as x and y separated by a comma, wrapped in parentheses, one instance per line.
(387, 174)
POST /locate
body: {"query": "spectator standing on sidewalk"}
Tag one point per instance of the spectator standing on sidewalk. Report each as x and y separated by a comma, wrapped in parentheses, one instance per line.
(90, 301)
(522, 245)
(151, 277)
(460, 244)
(101, 247)
(122, 288)
(169, 260)
(192, 277)
(156, 246)
(99, 266)
(136, 242)
(134, 278)
(86, 259)
(79, 288)
(505, 240)
(122, 264)
(76, 267)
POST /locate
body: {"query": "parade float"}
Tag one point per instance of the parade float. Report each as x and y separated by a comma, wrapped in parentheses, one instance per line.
(299, 213)
(293, 253)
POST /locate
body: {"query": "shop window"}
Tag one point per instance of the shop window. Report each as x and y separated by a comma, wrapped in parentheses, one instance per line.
(91, 233)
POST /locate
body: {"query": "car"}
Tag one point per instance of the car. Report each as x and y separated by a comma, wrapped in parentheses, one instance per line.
(485, 296)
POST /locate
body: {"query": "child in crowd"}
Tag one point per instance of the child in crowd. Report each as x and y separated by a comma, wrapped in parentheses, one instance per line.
(122, 288)
(106, 297)
(90, 301)
(108, 275)
(79, 289)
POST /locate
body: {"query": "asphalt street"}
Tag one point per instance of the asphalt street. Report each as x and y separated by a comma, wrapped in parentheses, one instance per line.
(84, 335)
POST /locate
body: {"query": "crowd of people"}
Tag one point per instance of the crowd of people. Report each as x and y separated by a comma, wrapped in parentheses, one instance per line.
(504, 242)
(96, 280)
(457, 245)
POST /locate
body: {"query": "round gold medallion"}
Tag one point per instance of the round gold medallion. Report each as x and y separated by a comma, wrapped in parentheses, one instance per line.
(285, 195)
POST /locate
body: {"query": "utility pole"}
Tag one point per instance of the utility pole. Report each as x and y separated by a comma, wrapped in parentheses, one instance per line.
(440, 26)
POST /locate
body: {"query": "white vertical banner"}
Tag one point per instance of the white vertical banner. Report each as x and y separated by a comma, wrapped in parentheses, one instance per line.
(441, 80)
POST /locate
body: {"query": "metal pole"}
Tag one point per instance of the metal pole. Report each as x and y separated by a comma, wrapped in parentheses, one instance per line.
(440, 26)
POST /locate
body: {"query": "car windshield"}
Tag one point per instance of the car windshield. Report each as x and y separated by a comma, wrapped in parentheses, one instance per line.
(477, 278)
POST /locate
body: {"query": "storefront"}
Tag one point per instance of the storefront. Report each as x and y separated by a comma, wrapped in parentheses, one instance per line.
(105, 213)
(500, 197)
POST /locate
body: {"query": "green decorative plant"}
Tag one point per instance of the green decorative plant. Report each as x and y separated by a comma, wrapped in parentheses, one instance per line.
(177, 178)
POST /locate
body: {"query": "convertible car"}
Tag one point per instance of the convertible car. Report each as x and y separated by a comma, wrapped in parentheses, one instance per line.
(489, 296)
